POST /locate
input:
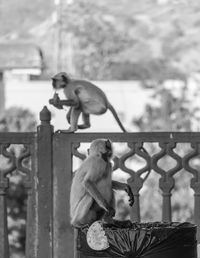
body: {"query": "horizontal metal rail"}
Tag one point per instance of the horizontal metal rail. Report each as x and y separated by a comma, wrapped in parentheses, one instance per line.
(17, 138)
(179, 137)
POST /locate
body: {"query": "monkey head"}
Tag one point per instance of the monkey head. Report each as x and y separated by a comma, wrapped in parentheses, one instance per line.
(102, 147)
(60, 80)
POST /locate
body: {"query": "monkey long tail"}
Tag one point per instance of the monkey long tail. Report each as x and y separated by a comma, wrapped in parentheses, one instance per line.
(113, 111)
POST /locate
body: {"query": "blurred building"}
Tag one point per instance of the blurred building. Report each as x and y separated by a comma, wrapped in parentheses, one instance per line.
(18, 59)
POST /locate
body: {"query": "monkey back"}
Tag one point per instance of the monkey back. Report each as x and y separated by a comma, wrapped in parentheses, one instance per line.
(92, 99)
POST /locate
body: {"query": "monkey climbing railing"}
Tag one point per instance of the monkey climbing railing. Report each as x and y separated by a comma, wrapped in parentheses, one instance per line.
(48, 229)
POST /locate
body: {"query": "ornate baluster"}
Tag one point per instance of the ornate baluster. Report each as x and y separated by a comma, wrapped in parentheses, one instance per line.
(195, 183)
(135, 181)
(30, 216)
(166, 182)
(4, 183)
(25, 153)
(76, 153)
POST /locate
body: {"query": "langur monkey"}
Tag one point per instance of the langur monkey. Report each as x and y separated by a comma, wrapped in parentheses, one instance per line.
(92, 196)
(84, 98)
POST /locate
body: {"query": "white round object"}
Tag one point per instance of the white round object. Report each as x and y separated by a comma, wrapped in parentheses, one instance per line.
(96, 237)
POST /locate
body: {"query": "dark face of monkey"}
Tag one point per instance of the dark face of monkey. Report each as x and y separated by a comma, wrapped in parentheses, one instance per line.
(103, 147)
(60, 81)
(109, 151)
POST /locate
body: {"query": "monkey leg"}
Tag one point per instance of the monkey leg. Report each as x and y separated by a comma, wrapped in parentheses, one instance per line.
(107, 217)
(84, 214)
(99, 212)
(86, 121)
(74, 116)
(69, 115)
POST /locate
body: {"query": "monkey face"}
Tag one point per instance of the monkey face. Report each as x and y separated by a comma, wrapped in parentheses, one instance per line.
(60, 80)
(103, 147)
(109, 150)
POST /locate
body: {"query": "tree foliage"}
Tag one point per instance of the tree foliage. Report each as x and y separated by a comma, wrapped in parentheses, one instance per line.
(129, 39)
(112, 39)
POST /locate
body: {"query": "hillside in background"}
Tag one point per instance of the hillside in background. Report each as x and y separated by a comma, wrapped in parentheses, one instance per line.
(18, 17)
(121, 39)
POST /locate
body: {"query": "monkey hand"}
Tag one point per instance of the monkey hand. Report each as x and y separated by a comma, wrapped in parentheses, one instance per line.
(108, 216)
(130, 194)
(110, 212)
(55, 101)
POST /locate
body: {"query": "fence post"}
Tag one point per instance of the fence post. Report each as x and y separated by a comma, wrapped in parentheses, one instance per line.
(62, 175)
(45, 195)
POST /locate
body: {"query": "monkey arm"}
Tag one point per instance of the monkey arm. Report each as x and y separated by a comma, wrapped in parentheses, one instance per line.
(58, 103)
(55, 104)
(96, 195)
(125, 187)
(119, 185)
(68, 102)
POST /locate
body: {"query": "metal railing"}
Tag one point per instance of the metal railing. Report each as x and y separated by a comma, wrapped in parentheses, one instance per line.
(48, 229)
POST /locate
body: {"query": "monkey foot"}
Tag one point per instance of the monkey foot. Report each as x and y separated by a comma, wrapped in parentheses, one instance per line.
(65, 131)
(83, 126)
(108, 220)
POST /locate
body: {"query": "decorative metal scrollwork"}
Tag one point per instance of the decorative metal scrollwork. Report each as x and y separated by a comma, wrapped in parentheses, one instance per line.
(115, 163)
(166, 150)
(166, 181)
(76, 153)
(25, 153)
(4, 182)
(190, 156)
(14, 163)
(11, 159)
(195, 181)
(126, 156)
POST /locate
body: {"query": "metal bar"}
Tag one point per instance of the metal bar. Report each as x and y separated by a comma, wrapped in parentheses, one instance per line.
(17, 138)
(166, 208)
(135, 210)
(31, 217)
(180, 137)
